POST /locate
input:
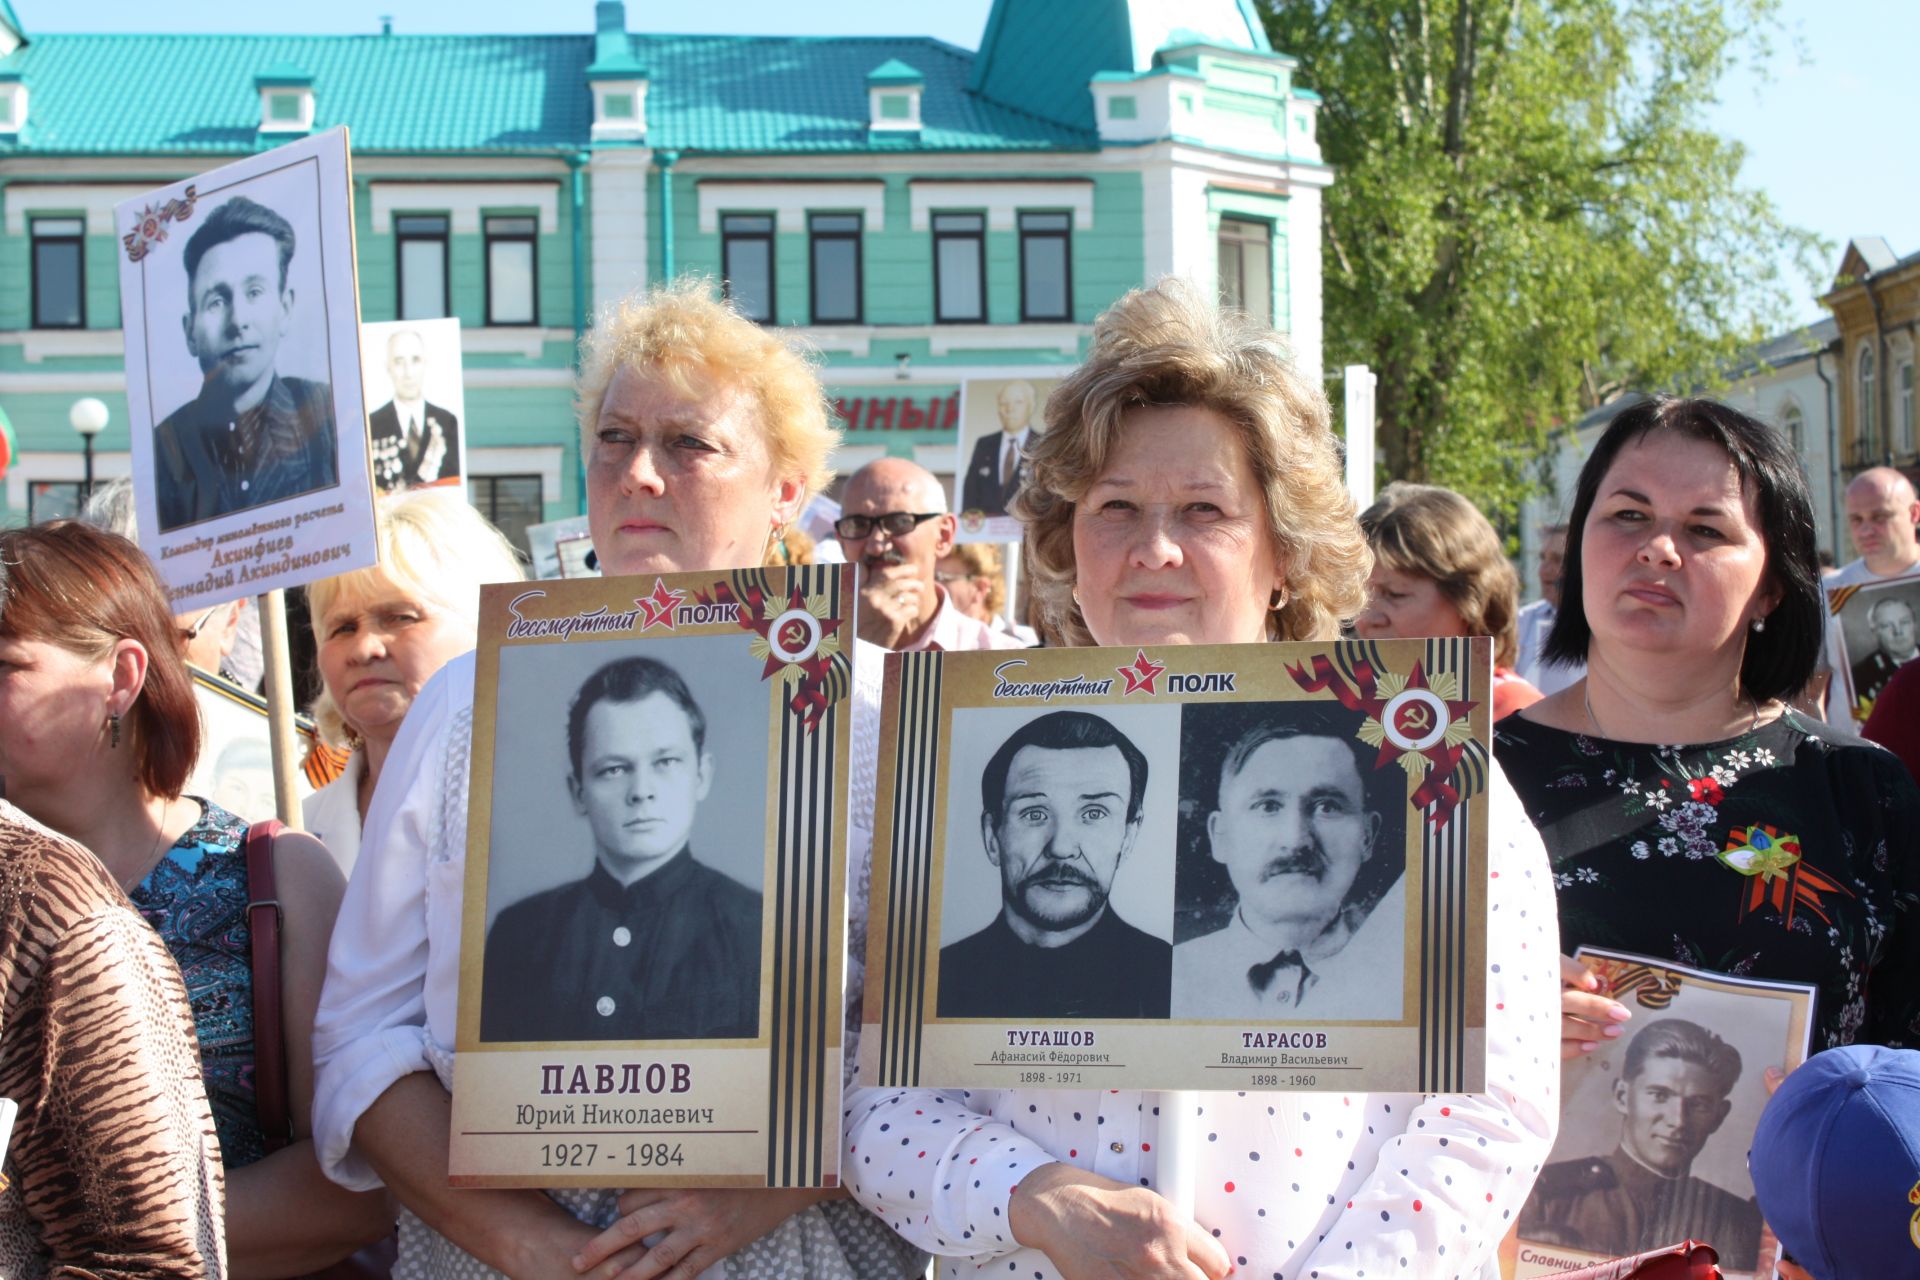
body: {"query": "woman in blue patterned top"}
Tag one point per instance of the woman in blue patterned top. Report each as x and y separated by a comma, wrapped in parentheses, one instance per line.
(101, 735)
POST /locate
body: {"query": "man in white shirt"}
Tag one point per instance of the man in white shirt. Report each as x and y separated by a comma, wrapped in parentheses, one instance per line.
(894, 524)
(1317, 930)
(1882, 514)
(1536, 619)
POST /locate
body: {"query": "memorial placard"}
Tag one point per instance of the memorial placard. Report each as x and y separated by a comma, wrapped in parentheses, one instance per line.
(654, 910)
(999, 417)
(1876, 630)
(1207, 867)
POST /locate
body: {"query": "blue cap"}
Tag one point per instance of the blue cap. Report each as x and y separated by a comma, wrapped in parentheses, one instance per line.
(1836, 1163)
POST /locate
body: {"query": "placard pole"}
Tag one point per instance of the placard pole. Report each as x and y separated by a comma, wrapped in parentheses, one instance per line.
(1179, 1154)
(279, 689)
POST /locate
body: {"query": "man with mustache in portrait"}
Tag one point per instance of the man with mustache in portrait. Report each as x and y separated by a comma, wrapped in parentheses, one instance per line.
(252, 435)
(1060, 810)
(1317, 929)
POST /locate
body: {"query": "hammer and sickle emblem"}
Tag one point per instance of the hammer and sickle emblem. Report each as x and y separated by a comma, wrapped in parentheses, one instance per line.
(1416, 717)
(792, 636)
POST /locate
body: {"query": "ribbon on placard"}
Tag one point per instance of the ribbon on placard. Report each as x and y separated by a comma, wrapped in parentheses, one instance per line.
(1420, 723)
(798, 635)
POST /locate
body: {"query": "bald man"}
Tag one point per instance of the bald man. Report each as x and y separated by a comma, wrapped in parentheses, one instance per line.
(894, 524)
(1883, 512)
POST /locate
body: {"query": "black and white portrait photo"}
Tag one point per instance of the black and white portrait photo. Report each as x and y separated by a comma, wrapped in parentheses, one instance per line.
(254, 432)
(626, 867)
(413, 378)
(999, 418)
(1292, 867)
(1880, 625)
(243, 374)
(1066, 854)
(1655, 1127)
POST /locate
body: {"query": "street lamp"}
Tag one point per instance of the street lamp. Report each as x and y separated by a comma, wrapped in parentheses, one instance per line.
(89, 418)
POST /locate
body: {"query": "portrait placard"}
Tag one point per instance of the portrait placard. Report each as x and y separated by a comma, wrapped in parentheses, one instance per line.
(560, 549)
(998, 416)
(243, 375)
(1655, 1125)
(1279, 849)
(416, 403)
(654, 919)
(1878, 628)
(235, 765)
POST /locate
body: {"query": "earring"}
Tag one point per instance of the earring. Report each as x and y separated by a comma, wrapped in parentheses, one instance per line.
(1074, 591)
(1277, 601)
(1759, 625)
(113, 731)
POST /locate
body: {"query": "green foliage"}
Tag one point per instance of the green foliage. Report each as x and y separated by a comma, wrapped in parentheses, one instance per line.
(1528, 216)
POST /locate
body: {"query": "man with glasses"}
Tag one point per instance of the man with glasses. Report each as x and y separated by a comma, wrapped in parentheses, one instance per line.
(895, 526)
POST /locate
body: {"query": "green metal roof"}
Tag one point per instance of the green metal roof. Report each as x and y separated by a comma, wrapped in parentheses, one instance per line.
(894, 71)
(158, 94)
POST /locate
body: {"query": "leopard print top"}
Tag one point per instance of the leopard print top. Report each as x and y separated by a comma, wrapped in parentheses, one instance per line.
(113, 1169)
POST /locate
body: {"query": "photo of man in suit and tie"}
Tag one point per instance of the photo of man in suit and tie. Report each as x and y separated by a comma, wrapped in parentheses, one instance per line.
(997, 465)
(416, 442)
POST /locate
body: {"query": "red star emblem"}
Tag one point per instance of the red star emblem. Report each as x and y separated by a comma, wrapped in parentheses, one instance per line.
(1141, 673)
(659, 605)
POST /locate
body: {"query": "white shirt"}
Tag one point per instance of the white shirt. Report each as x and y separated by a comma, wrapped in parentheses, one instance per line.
(1294, 1184)
(1534, 622)
(1010, 447)
(412, 415)
(1359, 980)
(332, 814)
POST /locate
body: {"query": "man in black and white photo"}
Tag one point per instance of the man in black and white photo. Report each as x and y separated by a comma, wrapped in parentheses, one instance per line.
(1672, 1095)
(1894, 644)
(653, 944)
(415, 442)
(1060, 811)
(251, 436)
(996, 468)
(1317, 929)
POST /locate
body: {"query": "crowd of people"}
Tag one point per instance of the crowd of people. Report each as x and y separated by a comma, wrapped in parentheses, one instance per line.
(1653, 755)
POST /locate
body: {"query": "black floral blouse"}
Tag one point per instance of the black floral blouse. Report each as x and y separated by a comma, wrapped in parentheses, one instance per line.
(1789, 853)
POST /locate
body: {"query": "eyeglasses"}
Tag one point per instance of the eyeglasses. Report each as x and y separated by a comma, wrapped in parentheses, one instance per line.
(944, 578)
(193, 632)
(898, 524)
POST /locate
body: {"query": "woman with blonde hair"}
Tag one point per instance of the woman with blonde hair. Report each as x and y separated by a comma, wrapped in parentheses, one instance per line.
(1438, 570)
(381, 632)
(703, 436)
(1189, 490)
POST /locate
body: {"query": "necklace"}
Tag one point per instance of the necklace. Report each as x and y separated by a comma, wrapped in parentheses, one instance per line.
(1753, 721)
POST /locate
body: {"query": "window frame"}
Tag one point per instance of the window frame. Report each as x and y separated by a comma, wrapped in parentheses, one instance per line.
(489, 237)
(79, 488)
(401, 238)
(1867, 440)
(487, 484)
(979, 237)
(856, 237)
(1065, 236)
(1793, 424)
(79, 242)
(1263, 238)
(1904, 425)
(729, 237)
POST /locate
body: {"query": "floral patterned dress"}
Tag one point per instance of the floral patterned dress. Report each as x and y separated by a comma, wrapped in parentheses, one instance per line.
(1789, 852)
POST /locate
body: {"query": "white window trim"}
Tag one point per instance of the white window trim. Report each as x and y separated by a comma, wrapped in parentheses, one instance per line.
(301, 124)
(545, 460)
(96, 199)
(65, 466)
(16, 93)
(880, 124)
(1003, 201)
(517, 340)
(790, 202)
(37, 344)
(463, 202)
(619, 129)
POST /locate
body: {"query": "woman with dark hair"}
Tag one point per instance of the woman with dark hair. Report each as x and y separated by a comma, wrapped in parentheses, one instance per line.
(1765, 844)
(101, 732)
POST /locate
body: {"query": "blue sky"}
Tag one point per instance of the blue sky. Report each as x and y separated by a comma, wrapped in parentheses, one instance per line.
(1829, 136)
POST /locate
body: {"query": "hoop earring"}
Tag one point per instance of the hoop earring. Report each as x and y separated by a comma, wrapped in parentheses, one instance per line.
(1277, 601)
(113, 731)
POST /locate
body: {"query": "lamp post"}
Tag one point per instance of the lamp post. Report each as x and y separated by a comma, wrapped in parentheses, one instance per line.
(89, 418)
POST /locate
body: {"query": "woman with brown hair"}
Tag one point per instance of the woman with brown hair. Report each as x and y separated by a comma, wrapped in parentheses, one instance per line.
(1438, 571)
(101, 735)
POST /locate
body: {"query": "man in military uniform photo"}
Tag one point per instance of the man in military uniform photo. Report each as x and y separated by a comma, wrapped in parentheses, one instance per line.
(998, 463)
(653, 944)
(1672, 1097)
(1060, 810)
(251, 436)
(1891, 620)
(415, 442)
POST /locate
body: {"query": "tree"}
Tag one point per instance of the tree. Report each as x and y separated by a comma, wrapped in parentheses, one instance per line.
(1528, 216)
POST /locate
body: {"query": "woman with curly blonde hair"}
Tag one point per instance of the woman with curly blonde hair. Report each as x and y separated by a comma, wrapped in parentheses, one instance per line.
(1188, 490)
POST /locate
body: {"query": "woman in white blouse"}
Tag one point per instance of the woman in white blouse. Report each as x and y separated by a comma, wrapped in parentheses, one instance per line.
(703, 436)
(1188, 490)
(382, 632)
